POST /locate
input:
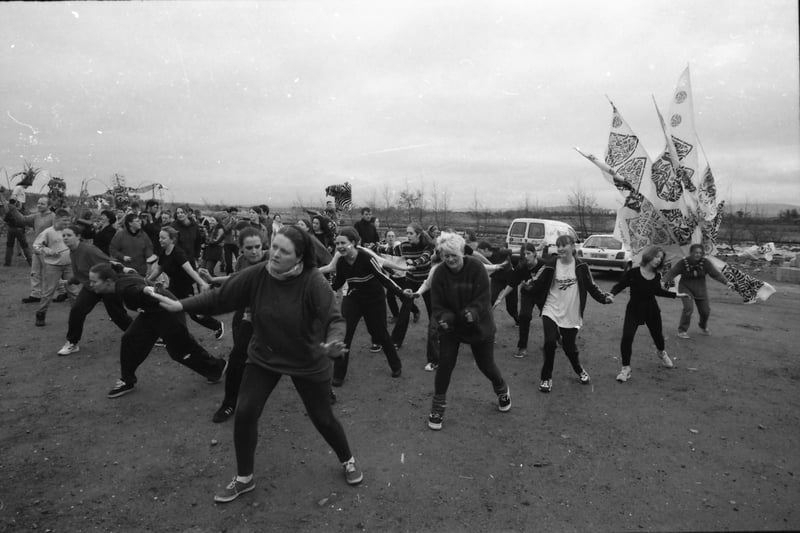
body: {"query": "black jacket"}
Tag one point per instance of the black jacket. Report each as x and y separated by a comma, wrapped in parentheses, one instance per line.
(544, 278)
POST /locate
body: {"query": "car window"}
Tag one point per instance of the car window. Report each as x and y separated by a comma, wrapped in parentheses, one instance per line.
(609, 243)
(536, 230)
(517, 229)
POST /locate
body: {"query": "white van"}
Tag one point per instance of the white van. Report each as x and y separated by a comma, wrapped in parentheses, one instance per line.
(541, 232)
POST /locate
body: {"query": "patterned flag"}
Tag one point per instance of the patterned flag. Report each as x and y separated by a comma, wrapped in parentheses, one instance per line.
(342, 195)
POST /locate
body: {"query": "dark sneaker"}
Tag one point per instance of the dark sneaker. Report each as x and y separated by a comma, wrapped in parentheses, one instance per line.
(40, 319)
(435, 421)
(584, 378)
(546, 385)
(504, 401)
(416, 317)
(222, 414)
(352, 474)
(31, 300)
(160, 343)
(233, 490)
(375, 348)
(214, 380)
(397, 373)
(337, 382)
(332, 397)
(220, 331)
(61, 298)
(521, 353)
(121, 388)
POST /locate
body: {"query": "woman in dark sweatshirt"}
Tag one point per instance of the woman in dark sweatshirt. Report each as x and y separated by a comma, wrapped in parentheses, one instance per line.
(297, 329)
(642, 308)
(461, 306)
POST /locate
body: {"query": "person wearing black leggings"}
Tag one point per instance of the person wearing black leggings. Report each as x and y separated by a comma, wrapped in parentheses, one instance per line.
(297, 329)
(642, 308)
(365, 298)
(522, 276)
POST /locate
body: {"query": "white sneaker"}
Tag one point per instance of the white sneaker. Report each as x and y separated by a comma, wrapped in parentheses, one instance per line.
(683, 335)
(665, 360)
(624, 374)
(705, 331)
(68, 348)
(430, 367)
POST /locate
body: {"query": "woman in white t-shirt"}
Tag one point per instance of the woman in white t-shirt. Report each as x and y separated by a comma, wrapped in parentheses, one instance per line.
(560, 289)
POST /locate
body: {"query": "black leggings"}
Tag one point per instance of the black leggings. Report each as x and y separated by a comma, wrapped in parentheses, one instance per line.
(242, 332)
(653, 321)
(551, 335)
(525, 317)
(373, 309)
(257, 384)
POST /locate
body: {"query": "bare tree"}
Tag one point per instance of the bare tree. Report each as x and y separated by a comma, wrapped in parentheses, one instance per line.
(444, 205)
(387, 195)
(435, 204)
(409, 202)
(475, 210)
(583, 204)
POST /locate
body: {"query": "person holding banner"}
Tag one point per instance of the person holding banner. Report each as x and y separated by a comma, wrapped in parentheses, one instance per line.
(693, 270)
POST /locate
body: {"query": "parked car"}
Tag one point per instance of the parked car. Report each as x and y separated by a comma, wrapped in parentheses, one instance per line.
(606, 253)
(541, 232)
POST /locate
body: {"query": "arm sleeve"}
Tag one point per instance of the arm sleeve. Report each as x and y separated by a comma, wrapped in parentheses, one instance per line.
(440, 312)
(233, 294)
(676, 269)
(324, 301)
(113, 247)
(591, 286)
(623, 283)
(382, 276)
(481, 293)
(714, 272)
(661, 291)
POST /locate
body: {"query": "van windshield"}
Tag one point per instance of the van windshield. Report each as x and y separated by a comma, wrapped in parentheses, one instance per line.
(517, 229)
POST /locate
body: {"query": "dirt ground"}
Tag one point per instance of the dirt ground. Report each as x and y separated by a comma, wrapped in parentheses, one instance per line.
(709, 445)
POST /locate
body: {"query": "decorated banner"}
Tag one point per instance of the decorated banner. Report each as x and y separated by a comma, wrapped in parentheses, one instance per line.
(670, 202)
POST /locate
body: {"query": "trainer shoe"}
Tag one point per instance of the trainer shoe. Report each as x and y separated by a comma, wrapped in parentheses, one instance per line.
(397, 372)
(40, 318)
(60, 298)
(337, 382)
(546, 385)
(121, 388)
(220, 331)
(683, 335)
(215, 380)
(521, 353)
(68, 348)
(705, 331)
(624, 374)
(430, 367)
(416, 317)
(504, 401)
(160, 343)
(332, 397)
(665, 360)
(375, 348)
(435, 421)
(222, 414)
(352, 474)
(234, 489)
(584, 378)
(31, 300)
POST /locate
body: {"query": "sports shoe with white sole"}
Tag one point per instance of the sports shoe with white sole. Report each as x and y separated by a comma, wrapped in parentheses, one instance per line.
(521, 353)
(435, 421)
(584, 378)
(624, 374)
(220, 331)
(234, 490)
(504, 401)
(683, 335)
(121, 388)
(665, 360)
(430, 367)
(68, 348)
(352, 474)
(546, 385)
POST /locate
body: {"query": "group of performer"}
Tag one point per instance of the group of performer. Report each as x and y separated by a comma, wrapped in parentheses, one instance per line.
(288, 319)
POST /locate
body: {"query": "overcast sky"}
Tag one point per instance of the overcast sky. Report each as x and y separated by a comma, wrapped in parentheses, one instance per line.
(269, 102)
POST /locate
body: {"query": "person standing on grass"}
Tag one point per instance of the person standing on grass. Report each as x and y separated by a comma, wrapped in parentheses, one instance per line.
(693, 270)
(521, 278)
(559, 290)
(152, 323)
(365, 279)
(49, 245)
(83, 256)
(39, 221)
(132, 247)
(297, 329)
(461, 305)
(642, 308)
(182, 276)
(252, 246)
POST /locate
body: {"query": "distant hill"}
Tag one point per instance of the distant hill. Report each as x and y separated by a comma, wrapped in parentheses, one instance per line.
(766, 209)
